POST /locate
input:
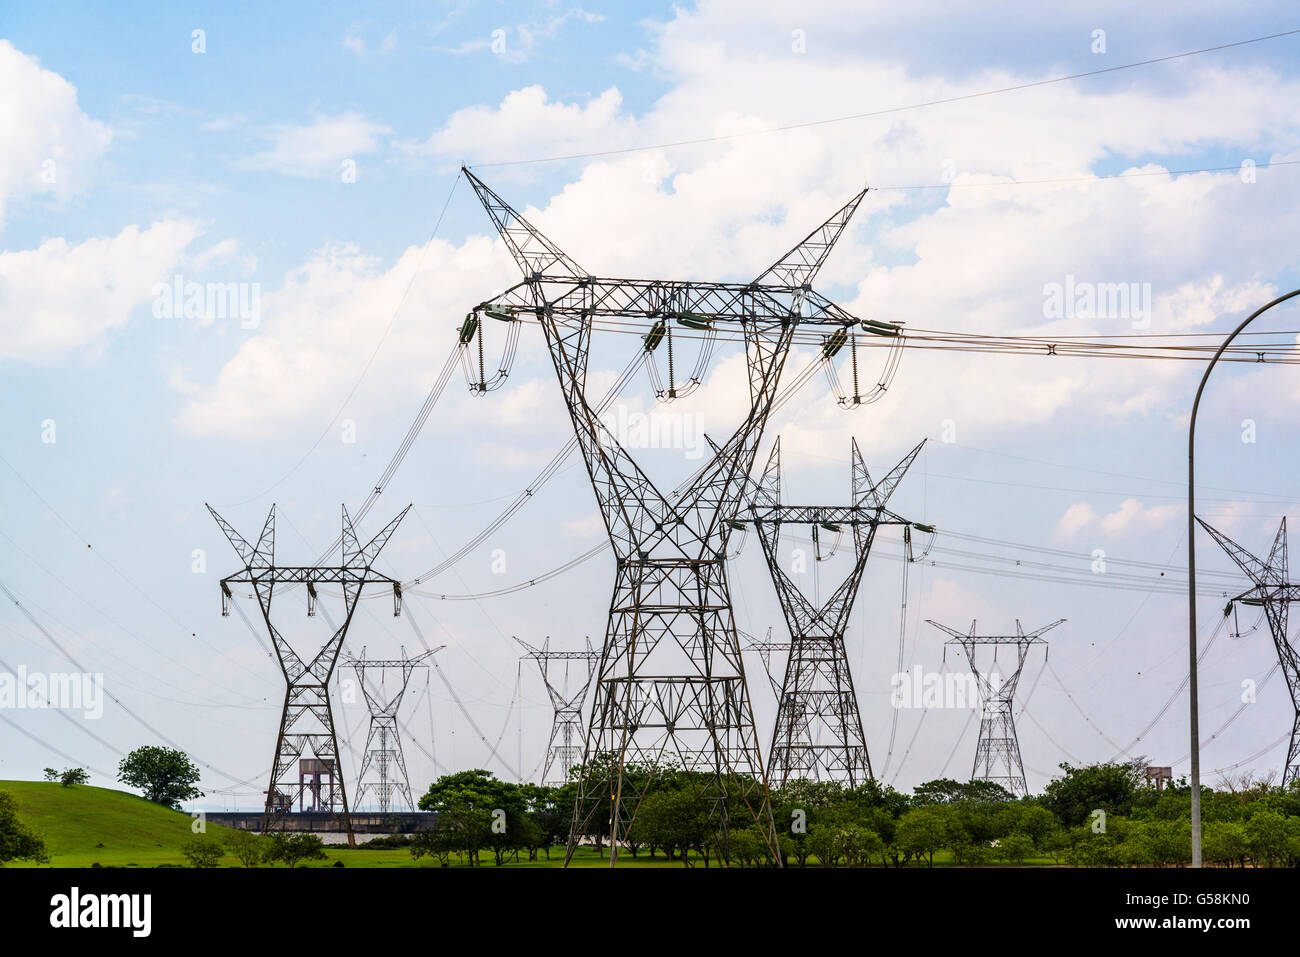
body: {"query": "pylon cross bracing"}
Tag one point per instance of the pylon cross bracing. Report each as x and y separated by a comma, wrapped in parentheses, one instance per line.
(307, 719)
(1273, 590)
(818, 733)
(997, 752)
(670, 684)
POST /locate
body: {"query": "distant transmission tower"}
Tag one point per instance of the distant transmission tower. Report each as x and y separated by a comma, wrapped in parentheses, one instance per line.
(1275, 592)
(306, 721)
(670, 686)
(383, 768)
(818, 732)
(997, 754)
(564, 749)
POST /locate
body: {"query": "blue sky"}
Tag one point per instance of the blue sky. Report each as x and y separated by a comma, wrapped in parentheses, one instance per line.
(232, 166)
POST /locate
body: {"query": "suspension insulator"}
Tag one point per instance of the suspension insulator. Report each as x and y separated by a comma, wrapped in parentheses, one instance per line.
(1227, 609)
(226, 598)
(835, 343)
(468, 328)
(654, 336)
(881, 328)
(311, 599)
(397, 599)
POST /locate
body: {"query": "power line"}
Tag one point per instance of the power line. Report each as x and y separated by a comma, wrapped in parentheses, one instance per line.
(888, 111)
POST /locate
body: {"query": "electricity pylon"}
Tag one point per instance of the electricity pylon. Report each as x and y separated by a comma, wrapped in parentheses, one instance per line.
(1275, 592)
(306, 720)
(670, 686)
(564, 748)
(765, 648)
(383, 767)
(818, 731)
(997, 753)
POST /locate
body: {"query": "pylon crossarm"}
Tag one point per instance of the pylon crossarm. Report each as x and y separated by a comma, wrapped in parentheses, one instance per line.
(651, 300)
(1272, 572)
(304, 574)
(823, 514)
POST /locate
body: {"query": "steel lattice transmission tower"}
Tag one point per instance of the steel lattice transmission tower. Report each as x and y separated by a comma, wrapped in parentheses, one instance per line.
(306, 720)
(670, 685)
(564, 748)
(1275, 592)
(997, 753)
(383, 768)
(818, 731)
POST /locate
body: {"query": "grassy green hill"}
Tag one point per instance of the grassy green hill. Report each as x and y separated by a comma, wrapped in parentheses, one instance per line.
(83, 824)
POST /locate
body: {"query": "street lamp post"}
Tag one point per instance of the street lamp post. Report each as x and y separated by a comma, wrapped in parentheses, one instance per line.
(1191, 578)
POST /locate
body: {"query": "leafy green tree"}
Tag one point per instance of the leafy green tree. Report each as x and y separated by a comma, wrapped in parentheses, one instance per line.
(166, 776)
(203, 851)
(247, 846)
(477, 809)
(1015, 847)
(1093, 850)
(1267, 836)
(17, 841)
(292, 848)
(72, 776)
(922, 831)
(676, 820)
(438, 842)
(949, 791)
(1224, 843)
(1080, 791)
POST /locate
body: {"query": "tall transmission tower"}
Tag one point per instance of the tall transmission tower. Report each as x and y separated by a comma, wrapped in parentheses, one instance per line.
(1275, 592)
(383, 768)
(765, 648)
(818, 731)
(564, 748)
(306, 720)
(997, 753)
(670, 686)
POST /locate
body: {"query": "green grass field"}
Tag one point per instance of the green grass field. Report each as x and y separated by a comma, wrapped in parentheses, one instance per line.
(85, 825)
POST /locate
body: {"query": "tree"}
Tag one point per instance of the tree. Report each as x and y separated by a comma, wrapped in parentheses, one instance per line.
(17, 841)
(1224, 843)
(676, 820)
(436, 841)
(166, 776)
(247, 847)
(922, 831)
(1107, 787)
(949, 791)
(477, 810)
(68, 776)
(1014, 848)
(203, 851)
(292, 848)
(1266, 837)
(72, 776)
